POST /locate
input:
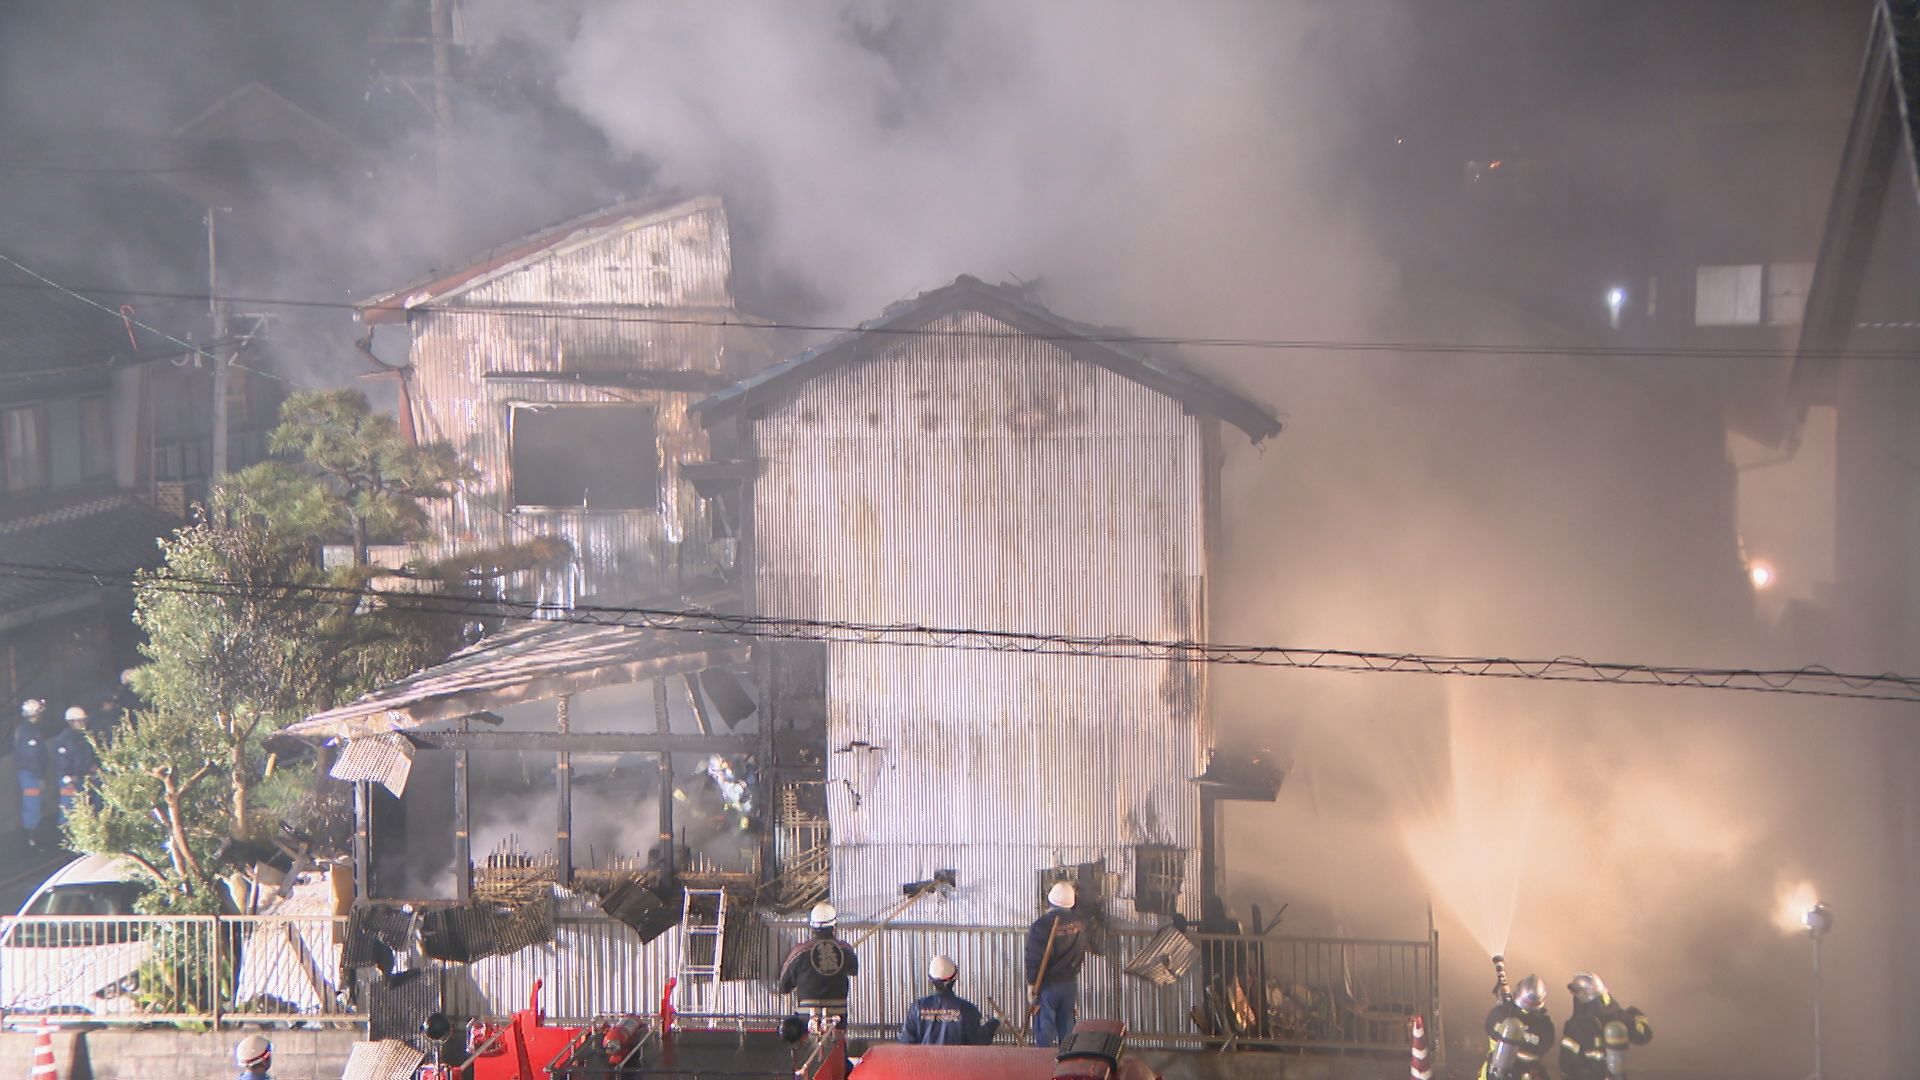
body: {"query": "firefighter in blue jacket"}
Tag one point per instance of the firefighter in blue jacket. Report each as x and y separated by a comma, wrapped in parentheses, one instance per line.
(70, 759)
(1056, 947)
(944, 1018)
(30, 739)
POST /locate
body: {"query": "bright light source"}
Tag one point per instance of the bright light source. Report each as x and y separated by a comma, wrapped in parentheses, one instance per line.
(1762, 575)
(1794, 906)
(1616, 296)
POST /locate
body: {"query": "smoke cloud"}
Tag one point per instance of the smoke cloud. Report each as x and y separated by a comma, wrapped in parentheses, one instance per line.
(1241, 170)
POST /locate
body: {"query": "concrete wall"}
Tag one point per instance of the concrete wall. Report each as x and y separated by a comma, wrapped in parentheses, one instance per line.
(167, 1054)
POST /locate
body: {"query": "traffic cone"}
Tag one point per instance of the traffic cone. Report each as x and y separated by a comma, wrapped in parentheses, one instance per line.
(43, 1066)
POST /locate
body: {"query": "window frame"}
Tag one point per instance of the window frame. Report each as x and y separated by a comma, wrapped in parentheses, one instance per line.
(41, 451)
(514, 450)
(104, 403)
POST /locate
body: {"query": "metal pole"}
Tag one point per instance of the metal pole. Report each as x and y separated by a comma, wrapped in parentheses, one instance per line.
(440, 27)
(217, 988)
(1819, 1073)
(218, 467)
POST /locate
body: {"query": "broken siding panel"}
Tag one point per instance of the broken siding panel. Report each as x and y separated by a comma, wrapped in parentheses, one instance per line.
(617, 552)
(684, 261)
(993, 482)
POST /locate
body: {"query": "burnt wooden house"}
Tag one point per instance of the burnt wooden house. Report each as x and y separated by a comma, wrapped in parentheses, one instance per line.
(564, 366)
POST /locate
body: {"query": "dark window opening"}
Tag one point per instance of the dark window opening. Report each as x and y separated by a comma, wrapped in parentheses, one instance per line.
(600, 457)
(1158, 872)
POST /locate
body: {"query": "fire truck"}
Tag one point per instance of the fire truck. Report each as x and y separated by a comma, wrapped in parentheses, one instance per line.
(524, 1046)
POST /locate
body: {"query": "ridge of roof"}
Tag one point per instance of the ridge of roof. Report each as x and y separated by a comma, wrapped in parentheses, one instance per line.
(1006, 303)
(393, 305)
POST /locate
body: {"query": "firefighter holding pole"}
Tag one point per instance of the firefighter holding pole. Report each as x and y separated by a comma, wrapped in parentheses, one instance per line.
(1056, 948)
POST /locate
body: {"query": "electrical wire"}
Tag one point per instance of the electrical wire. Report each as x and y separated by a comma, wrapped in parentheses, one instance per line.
(1809, 680)
(125, 319)
(1669, 352)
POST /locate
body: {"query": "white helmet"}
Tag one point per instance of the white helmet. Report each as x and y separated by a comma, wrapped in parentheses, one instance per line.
(823, 917)
(943, 969)
(33, 706)
(76, 714)
(253, 1052)
(1062, 894)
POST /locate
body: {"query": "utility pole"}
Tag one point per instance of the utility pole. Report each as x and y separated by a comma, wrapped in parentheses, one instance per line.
(440, 28)
(218, 308)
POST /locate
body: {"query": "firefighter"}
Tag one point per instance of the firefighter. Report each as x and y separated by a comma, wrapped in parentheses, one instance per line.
(30, 765)
(818, 971)
(944, 1018)
(1593, 1045)
(1519, 1031)
(254, 1055)
(1056, 947)
(70, 758)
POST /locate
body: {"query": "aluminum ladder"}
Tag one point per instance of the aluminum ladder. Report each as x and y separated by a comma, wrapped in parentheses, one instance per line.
(703, 936)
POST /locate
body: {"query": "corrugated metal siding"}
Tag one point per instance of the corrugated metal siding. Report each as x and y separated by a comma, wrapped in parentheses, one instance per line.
(992, 482)
(617, 552)
(681, 262)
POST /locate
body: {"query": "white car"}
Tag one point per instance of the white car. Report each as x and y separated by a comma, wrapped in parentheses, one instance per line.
(56, 962)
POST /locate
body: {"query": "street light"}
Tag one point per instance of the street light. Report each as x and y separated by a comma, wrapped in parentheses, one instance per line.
(1819, 920)
(1616, 299)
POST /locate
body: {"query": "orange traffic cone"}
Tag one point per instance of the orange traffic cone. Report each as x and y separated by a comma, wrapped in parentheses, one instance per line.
(43, 1066)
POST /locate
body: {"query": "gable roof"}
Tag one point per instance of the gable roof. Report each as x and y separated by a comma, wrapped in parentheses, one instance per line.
(252, 140)
(1882, 152)
(1104, 347)
(394, 306)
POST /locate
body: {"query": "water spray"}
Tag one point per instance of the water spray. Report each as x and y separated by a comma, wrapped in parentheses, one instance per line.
(1501, 990)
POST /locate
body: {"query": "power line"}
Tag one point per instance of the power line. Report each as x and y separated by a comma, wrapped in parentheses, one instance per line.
(1682, 352)
(1810, 680)
(125, 319)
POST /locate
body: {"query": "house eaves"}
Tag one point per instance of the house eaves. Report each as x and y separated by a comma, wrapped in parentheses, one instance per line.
(531, 662)
(556, 240)
(1104, 347)
(1882, 150)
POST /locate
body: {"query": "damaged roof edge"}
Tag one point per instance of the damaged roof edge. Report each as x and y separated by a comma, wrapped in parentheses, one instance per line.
(478, 681)
(394, 306)
(1089, 343)
(1883, 137)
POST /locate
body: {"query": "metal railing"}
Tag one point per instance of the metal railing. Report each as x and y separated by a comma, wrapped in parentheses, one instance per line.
(1336, 994)
(1329, 994)
(140, 969)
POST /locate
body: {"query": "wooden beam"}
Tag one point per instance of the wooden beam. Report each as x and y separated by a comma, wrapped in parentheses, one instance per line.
(462, 829)
(664, 727)
(563, 770)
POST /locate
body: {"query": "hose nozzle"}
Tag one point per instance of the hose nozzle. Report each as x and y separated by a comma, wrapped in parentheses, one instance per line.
(1500, 988)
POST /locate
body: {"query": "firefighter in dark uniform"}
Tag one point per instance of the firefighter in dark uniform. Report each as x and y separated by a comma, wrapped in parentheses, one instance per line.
(1593, 1045)
(818, 972)
(70, 758)
(30, 767)
(944, 1018)
(1519, 1033)
(1056, 947)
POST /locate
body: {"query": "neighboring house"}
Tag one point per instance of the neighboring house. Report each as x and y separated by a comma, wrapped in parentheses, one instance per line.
(74, 490)
(1858, 366)
(972, 460)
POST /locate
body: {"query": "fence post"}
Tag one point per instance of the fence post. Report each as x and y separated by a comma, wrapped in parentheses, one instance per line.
(217, 991)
